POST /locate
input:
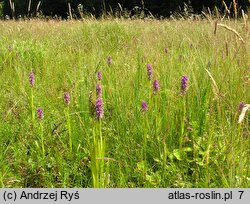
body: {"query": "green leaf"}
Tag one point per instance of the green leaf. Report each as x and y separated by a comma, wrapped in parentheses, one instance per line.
(200, 163)
(171, 156)
(141, 166)
(157, 160)
(177, 154)
(187, 149)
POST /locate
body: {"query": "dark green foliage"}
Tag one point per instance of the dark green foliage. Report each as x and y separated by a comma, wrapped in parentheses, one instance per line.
(97, 7)
(1, 8)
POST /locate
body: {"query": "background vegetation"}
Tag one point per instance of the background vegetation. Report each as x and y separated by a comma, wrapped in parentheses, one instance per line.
(98, 7)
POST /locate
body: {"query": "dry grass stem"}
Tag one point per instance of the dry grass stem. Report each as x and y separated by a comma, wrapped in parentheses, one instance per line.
(215, 87)
(243, 112)
(70, 12)
(38, 5)
(29, 6)
(232, 30)
(225, 5)
(106, 159)
(235, 8)
(245, 20)
(215, 27)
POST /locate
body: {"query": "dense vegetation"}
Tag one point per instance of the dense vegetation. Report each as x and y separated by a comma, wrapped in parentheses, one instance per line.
(170, 91)
(97, 7)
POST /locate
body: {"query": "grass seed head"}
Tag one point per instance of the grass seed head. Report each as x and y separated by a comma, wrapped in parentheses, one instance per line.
(109, 60)
(245, 108)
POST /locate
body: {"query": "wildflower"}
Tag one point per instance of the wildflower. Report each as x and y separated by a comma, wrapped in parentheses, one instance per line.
(241, 106)
(99, 75)
(40, 113)
(109, 60)
(99, 108)
(66, 98)
(184, 84)
(32, 78)
(150, 71)
(144, 106)
(156, 86)
(98, 90)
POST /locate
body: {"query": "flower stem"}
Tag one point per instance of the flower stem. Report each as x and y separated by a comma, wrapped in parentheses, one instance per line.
(42, 138)
(32, 105)
(69, 128)
(97, 157)
(182, 123)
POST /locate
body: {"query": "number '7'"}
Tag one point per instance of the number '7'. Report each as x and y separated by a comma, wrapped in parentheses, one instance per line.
(241, 193)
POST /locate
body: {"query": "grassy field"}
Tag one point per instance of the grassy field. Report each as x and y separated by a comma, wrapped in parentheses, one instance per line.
(188, 139)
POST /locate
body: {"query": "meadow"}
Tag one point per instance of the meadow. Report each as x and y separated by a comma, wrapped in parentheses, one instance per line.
(124, 103)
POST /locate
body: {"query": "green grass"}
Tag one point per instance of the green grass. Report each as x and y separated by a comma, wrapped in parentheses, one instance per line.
(181, 141)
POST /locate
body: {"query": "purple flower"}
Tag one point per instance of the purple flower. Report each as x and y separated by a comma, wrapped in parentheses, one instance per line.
(241, 106)
(150, 71)
(98, 90)
(109, 60)
(40, 113)
(66, 98)
(32, 78)
(99, 110)
(144, 106)
(156, 86)
(184, 84)
(99, 75)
